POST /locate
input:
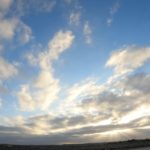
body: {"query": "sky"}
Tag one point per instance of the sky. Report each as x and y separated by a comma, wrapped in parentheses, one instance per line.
(74, 71)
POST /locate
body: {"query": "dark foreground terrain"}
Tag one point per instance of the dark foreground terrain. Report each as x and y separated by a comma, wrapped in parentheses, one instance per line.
(125, 145)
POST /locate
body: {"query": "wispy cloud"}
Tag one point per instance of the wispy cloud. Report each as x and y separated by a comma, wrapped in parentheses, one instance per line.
(128, 59)
(12, 28)
(24, 33)
(15, 26)
(113, 10)
(86, 110)
(23, 8)
(74, 18)
(46, 85)
(87, 31)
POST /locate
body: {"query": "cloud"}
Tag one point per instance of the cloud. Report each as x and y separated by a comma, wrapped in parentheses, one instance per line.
(7, 70)
(74, 18)
(24, 33)
(139, 82)
(10, 25)
(26, 101)
(114, 9)
(44, 79)
(46, 85)
(45, 6)
(33, 6)
(15, 26)
(91, 111)
(60, 42)
(80, 134)
(78, 91)
(17, 30)
(5, 4)
(32, 60)
(128, 59)
(87, 31)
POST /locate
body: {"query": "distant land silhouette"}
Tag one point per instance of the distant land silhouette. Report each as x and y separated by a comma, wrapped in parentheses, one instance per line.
(121, 145)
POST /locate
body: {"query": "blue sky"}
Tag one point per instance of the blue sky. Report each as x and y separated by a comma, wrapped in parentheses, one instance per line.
(74, 71)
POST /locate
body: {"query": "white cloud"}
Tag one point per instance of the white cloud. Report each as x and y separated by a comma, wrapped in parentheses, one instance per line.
(86, 88)
(45, 79)
(87, 31)
(11, 26)
(7, 28)
(26, 102)
(7, 70)
(124, 106)
(114, 112)
(88, 104)
(56, 46)
(128, 59)
(46, 85)
(7, 25)
(102, 109)
(60, 42)
(115, 99)
(74, 18)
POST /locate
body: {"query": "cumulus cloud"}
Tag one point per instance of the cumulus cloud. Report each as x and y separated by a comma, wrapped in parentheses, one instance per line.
(87, 31)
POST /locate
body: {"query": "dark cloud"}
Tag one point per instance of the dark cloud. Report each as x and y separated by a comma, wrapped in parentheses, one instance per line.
(140, 82)
(84, 127)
